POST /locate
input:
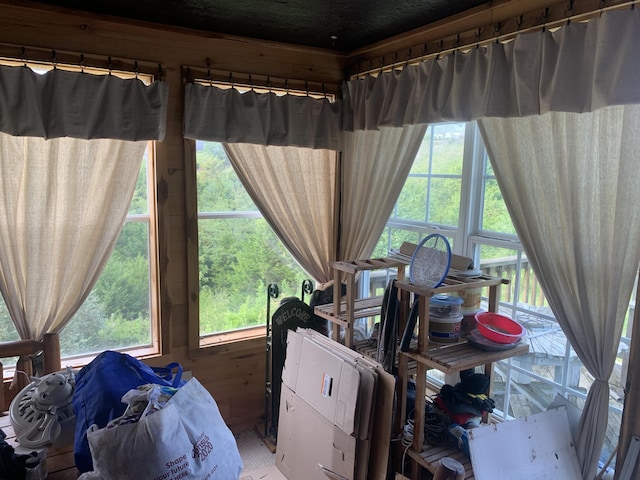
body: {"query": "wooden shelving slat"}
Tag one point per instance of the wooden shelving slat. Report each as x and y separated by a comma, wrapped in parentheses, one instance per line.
(460, 356)
(364, 307)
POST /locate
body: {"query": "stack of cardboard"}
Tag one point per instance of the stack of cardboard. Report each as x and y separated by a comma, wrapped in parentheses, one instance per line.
(336, 410)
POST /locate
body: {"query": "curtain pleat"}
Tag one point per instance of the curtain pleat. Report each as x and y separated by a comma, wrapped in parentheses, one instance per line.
(294, 189)
(569, 182)
(62, 206)
(580, 67)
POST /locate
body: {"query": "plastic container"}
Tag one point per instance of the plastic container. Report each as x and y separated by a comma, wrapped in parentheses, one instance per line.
(444, 306)
(444, 329)
(471, 298)
(498, 328)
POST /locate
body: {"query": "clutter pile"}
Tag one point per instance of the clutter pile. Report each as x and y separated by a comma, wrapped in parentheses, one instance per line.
(458, 408)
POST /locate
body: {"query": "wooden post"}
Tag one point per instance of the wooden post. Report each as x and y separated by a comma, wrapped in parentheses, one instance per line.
(51, 352)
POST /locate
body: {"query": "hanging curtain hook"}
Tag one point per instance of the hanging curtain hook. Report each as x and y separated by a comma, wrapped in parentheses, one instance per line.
(54, 59)
(545, 17)
(23, 55)
(306, 87)
(496, 28)
(209, 78)
(190, 76)
(231, 79)
(406, 63)
(135, 68)
(439, 50)
(82, 63)
(569, 12)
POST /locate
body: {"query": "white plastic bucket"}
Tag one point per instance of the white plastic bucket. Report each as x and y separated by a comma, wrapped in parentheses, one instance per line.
(444, 329)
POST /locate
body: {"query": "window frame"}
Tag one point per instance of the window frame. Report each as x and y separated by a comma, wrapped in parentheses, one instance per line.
(155, 347)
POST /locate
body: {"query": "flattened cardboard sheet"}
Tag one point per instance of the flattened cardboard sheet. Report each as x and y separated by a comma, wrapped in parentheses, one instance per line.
(306, 439)
(537, 446)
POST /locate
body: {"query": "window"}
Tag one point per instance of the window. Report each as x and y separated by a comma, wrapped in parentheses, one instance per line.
(451, 189)
(239, 255)
(121, 310)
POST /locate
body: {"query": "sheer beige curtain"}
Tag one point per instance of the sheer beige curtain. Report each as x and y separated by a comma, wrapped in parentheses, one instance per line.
(71, 144)
(375, 165)
(63, 203)
(570, 182)
(294, 189)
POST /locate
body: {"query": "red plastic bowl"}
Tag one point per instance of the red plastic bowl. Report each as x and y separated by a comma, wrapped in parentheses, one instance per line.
(498, 328)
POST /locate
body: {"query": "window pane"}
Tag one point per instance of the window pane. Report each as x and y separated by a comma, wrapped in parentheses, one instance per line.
(219, 188)
(495, 216)
(431, 193)
(239, 258)
(117, 312)
(239, 254)
(444, 201)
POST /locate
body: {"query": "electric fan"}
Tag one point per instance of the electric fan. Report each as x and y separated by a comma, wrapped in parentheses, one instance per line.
(42, 414)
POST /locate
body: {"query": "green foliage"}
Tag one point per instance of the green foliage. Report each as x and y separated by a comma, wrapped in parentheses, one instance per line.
(123, 288)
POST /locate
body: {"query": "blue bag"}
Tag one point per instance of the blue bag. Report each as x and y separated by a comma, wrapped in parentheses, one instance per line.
(100, 386)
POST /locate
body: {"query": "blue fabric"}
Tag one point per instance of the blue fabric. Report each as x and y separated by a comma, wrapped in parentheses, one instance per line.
(100, 386)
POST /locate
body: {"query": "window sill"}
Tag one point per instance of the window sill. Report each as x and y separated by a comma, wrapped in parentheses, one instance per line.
(220, 339)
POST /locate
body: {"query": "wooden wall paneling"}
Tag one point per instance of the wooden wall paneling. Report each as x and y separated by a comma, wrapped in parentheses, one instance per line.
(233, 372)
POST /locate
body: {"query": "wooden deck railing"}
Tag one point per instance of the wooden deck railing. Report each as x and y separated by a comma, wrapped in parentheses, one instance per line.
(24, 349)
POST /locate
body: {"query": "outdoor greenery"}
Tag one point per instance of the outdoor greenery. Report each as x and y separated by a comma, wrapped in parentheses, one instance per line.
(240, 256)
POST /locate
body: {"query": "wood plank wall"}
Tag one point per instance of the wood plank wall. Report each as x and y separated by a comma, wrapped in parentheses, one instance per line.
(233, 374)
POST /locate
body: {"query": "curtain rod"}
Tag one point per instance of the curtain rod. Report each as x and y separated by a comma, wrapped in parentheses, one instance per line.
(61, 58)
(548, 18)
(251, 81)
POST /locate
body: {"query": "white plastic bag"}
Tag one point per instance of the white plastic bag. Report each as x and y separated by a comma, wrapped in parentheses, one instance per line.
(186, 439)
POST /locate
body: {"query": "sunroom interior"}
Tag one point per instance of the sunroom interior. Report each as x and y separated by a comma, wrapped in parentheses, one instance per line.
(225, 167)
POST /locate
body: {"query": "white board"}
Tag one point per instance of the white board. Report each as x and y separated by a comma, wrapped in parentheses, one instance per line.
(531, 448)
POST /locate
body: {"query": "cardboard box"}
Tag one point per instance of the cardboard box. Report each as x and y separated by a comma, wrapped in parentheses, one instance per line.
(335, 412)
(306, 439)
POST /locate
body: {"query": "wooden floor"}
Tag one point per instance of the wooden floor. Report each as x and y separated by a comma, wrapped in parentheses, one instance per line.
(60, 463)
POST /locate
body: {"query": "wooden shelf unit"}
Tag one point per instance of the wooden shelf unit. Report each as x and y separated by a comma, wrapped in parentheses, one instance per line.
(343, 312)
(447, 358)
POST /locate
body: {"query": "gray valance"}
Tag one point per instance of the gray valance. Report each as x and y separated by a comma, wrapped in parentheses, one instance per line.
(229, 116)
(577, 68)
(61, 103)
